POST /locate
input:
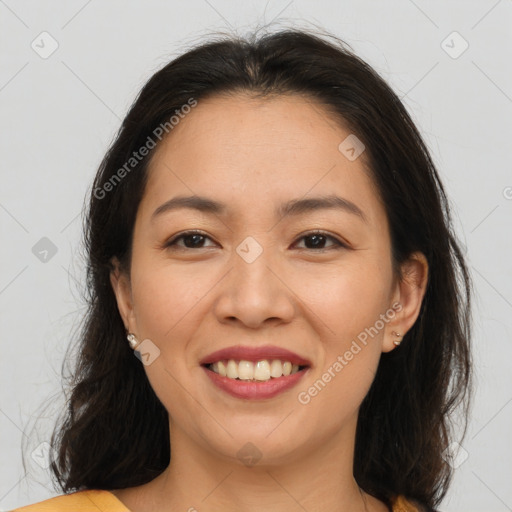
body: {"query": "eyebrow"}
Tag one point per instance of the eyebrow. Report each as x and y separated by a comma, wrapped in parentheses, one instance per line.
(292, 207)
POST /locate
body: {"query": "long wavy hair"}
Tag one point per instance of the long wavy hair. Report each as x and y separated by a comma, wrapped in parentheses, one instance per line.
(114, 432)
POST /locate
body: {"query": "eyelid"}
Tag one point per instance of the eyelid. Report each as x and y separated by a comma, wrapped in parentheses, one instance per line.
(183, 234)
(338, 244)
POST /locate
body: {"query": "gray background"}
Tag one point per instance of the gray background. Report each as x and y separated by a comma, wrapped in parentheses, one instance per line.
(59, 114)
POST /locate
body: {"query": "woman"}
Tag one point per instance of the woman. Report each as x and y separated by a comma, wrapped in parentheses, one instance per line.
(269, 236)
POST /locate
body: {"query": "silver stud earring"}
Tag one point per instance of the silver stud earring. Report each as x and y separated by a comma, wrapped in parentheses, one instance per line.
(132, 340)
(397, 341)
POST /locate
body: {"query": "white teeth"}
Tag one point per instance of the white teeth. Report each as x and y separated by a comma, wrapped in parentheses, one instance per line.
(231, 369)
(276, 368)
(262, 370)
(222, 368)
(247, 370)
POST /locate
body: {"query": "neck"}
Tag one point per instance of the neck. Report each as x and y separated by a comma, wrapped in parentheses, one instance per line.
(199, 480)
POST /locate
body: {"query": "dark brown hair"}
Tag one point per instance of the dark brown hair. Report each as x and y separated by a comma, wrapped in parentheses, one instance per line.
(114, 433)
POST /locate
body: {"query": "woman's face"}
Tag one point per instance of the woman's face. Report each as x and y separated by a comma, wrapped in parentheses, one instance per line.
(258, 276)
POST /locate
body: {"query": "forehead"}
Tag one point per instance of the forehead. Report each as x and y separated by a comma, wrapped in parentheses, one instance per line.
(249, 149)
(291, 124)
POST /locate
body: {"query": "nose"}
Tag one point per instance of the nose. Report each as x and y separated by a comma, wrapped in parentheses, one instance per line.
(255, 293)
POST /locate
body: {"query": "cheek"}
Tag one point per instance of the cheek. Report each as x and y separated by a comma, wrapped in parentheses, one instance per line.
(347, 298)
(334, 396)
(168, 306)
(165, 296)
(350, 301)
(351, 305)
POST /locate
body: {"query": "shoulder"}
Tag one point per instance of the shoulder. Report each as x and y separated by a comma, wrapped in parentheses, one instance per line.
(90, 500)
(403, 504)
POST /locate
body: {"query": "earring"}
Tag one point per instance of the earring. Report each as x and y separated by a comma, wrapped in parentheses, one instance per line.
(132, 340)
(398, 341)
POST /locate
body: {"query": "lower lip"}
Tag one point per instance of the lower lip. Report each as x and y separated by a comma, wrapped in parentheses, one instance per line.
(255, 390)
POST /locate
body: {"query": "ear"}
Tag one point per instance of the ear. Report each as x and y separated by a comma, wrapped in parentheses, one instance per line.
(120, 282)
(407, 298)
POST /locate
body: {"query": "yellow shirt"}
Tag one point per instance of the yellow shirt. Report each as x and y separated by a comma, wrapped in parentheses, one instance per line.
(104, 501)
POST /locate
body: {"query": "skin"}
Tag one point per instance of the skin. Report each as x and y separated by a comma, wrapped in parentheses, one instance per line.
(254, 154)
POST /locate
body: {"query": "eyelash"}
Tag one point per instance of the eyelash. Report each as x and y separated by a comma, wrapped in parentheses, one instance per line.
(338, 243)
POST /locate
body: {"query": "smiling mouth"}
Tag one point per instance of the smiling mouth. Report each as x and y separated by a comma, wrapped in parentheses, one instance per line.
(254, 371)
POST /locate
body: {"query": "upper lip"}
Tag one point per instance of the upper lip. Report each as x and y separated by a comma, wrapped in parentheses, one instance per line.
(254, 354)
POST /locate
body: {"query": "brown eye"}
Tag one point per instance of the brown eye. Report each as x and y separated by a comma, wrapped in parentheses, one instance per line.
(315, 241)
(318, 239)
(191, 240)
